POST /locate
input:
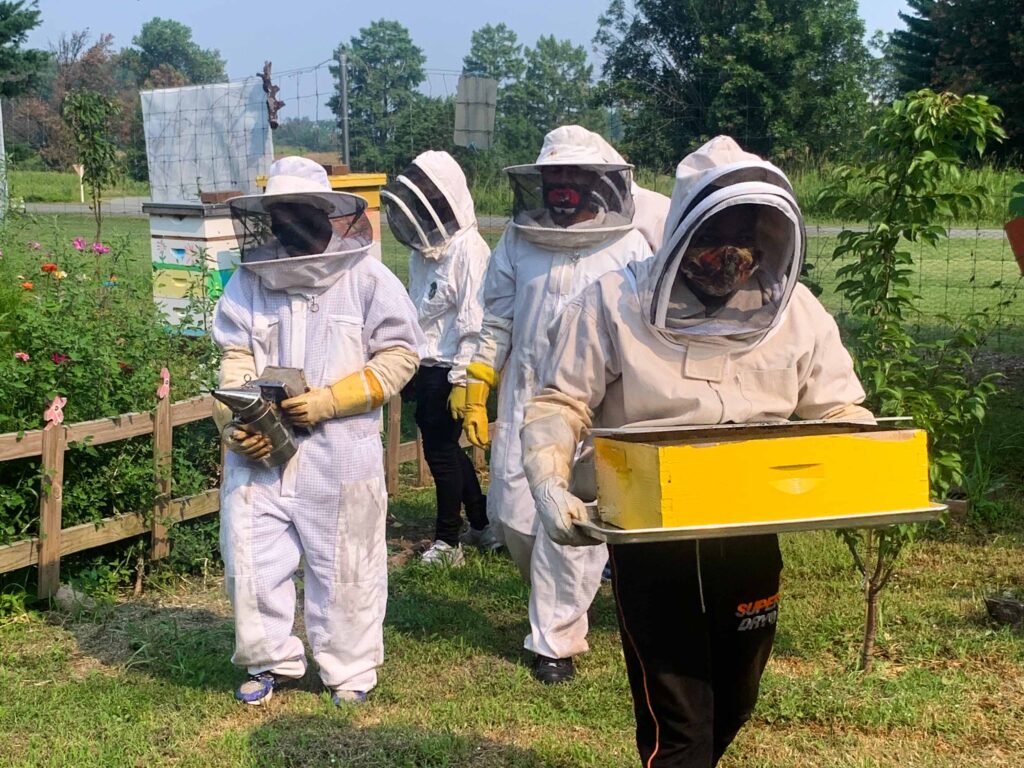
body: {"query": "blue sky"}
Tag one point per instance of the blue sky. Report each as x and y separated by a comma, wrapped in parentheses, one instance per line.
(299, 35)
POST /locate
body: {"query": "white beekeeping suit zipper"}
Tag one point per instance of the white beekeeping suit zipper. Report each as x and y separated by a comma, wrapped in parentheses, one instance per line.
(299, 305)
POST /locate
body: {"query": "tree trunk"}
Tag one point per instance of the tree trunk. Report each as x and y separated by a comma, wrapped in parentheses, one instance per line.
(867, 650)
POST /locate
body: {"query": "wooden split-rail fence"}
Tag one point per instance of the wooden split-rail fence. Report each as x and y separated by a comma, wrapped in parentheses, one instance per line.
(53, 541)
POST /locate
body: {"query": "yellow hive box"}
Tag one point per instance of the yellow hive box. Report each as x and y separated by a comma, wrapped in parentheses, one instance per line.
(760, 475)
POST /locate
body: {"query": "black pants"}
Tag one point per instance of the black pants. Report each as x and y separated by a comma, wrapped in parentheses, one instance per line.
(455, 478)
(696, 640)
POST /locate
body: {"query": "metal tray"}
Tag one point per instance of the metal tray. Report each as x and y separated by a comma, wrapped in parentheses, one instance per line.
(611, 534)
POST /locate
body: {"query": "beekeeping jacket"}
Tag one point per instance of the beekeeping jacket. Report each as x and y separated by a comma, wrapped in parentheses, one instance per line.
(639, 348)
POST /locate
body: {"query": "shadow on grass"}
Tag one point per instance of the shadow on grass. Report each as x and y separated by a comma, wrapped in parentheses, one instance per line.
(186, 645)
(296, 741)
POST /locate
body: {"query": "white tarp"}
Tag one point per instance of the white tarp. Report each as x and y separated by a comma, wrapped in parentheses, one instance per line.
(206, 138)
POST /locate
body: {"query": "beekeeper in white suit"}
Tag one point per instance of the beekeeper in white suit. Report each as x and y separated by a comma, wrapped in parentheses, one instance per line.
(572, 223)
(714, 329)
(651, 208)
(430, 211)
(308, 295)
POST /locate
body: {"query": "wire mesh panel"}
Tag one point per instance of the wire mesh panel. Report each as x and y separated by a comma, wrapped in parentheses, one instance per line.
(206, 138)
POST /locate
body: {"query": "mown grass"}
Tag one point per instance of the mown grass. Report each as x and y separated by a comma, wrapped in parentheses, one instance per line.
(149, 681)
(56, 187)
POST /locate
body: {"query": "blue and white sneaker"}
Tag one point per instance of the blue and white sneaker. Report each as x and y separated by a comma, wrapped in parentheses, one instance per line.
(340, 697)
(258, 689)
(606, 574)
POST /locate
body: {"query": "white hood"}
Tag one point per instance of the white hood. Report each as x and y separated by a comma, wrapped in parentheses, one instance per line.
(713, 178)
(447, 175)
(571, 145)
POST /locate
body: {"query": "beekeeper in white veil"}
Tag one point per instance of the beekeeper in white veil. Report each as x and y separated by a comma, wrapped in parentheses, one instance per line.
(715, 329)
(309, 295)
(572, 223)
(430, 210)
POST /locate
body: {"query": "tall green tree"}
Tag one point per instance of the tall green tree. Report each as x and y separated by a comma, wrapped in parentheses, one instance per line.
(967, 46)
(556, 89)
(20, 68)
(783, 78)
(167, 44)
(494, 51)
(385, 68)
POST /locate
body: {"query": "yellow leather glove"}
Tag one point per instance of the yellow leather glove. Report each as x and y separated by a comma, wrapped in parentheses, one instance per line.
(457, 402)
(480, 378)
(253, 447)
(357, 393)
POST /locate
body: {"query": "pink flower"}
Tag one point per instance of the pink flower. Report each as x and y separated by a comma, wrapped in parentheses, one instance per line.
(23, 356)
(59, 358)
(78, 243)
(100, 248)
(34, 246)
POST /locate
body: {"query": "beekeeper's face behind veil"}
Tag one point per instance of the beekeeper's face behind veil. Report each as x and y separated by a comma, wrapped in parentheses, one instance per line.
(301, 229)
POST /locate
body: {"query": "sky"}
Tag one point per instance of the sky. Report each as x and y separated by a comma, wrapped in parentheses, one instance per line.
(297, 36)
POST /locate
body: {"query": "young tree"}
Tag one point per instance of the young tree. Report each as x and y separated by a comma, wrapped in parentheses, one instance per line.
(385, 68)
(780, 77)
(90, 115)
(905, 184)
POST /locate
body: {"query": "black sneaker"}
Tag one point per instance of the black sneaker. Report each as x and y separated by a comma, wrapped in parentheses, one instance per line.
(553, 671)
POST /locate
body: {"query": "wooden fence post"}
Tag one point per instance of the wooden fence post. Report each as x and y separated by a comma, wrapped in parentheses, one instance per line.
(394, 440)
(421, 462)
(162, 445)
(51, 500)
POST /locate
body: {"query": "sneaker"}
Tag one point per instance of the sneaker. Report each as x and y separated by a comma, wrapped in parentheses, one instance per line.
(441, 553)
(484, 538)
(606, 574)
(341, 697)
(553, 671)
(258, 689)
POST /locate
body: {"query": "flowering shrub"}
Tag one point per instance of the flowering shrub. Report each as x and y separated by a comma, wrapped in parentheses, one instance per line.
(70, 327)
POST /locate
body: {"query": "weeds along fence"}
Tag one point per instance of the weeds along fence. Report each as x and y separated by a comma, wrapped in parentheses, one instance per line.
(53, 541)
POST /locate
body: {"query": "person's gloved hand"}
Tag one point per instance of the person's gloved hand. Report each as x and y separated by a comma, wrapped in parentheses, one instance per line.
(474, 420)
(357, 393)
(252, 447)
(310, 407)
(559, 510)
(457, 402)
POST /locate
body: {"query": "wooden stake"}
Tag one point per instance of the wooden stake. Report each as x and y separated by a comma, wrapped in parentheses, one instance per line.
(162, 445)
(50, 505)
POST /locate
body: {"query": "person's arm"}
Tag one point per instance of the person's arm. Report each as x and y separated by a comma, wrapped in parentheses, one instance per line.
(829, 387)
(493, 343)
(581, 363)
(393, 339)
(232, 333)
(469, 307)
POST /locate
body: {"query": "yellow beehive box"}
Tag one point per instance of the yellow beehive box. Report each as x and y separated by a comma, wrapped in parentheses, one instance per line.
(763, 475)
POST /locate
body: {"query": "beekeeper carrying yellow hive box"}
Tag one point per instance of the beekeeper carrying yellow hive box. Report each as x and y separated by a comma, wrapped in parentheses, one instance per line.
(714, 329)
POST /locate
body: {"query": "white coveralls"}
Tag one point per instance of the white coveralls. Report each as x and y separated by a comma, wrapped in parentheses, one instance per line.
(531, 277)
(330, 316)
(446, 284)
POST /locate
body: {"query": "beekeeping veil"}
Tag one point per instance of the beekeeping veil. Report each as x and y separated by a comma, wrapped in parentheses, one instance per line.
(577, 194)
(299, 235)
(429, 204)
(721, 184)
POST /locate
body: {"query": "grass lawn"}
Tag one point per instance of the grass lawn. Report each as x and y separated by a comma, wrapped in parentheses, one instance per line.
(149, 682)
(55, 187)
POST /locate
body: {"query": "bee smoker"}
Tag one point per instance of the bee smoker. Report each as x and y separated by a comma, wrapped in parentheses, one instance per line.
(256, 410)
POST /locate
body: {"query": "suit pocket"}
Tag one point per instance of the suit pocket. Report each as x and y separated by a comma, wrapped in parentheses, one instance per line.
(345, 354)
